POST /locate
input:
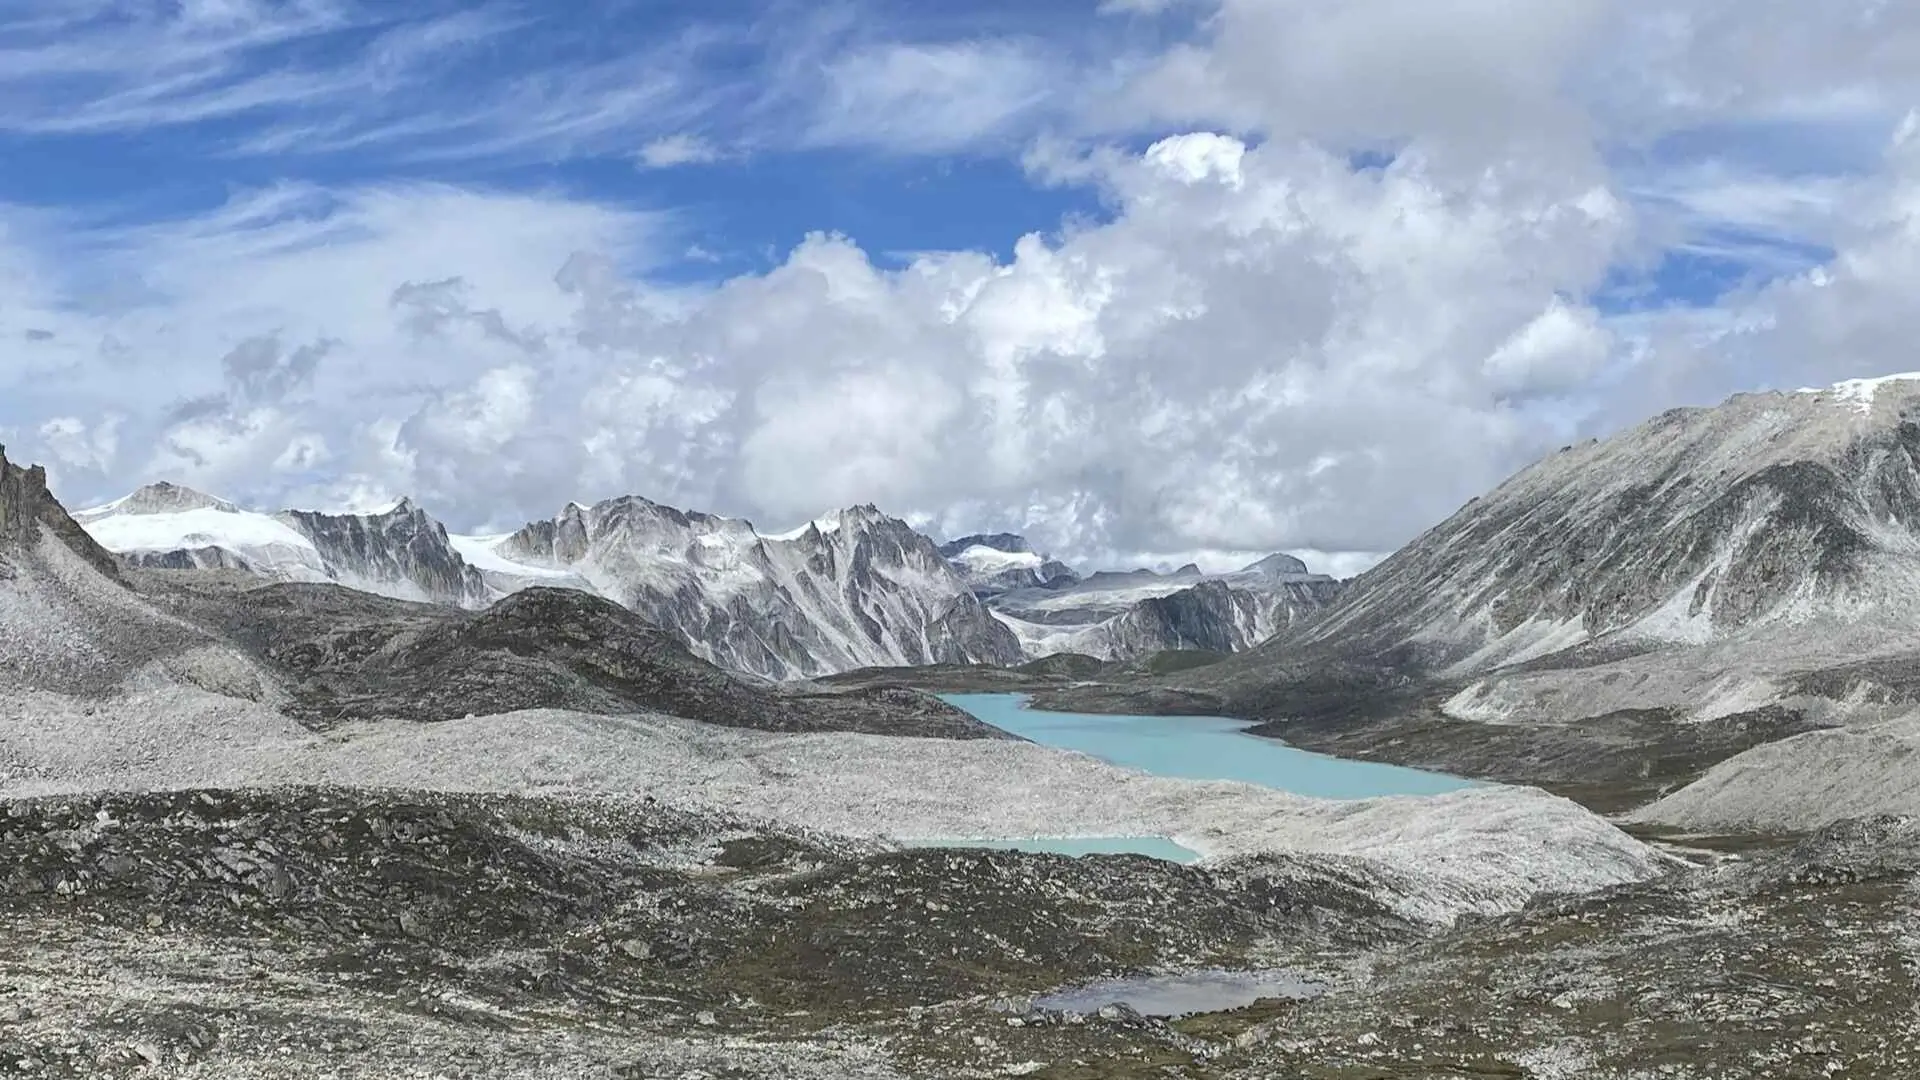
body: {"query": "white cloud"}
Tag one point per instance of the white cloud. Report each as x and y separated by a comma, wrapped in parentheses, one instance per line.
(680, 148)
(1253, 355)
(930, 98)
(77, 446)
(1850, 317)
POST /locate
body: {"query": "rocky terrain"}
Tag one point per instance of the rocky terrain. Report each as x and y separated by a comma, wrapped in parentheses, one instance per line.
(326, 932)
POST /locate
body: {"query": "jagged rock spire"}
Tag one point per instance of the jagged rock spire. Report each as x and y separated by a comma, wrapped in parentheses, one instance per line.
(26, 506)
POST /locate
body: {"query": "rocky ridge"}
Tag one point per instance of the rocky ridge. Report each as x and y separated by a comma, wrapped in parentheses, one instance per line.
(852, 590)
(864, 590)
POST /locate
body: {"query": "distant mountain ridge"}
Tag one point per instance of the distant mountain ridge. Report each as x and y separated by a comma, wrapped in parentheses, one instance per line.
(853, 589)
(863, 590)
(867, 590)
(400, 552)
(993, 563)
(1128, 614)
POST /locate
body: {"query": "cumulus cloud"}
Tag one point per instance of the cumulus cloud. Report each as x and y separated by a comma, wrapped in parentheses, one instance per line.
(1260, 340)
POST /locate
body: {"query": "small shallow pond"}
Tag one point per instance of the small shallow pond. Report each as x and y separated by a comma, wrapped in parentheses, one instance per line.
(1188, 748)
(1158, 847)
(1183, 995)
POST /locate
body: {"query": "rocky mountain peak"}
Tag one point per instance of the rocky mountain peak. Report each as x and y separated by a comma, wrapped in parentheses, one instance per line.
(402, 551)
(169, 498)
(1278, 564)
(1008, 543)
(1768, 510)
(866, 516)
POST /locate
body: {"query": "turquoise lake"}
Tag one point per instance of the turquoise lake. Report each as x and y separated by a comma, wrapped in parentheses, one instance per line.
(1190, 748)
(1203, 748)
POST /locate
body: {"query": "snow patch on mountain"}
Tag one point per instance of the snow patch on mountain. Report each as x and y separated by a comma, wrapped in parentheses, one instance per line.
(1860, 392)
(982, 559)
(482, 553)
(401, 552)
(826, 524)
(1040, 639)
(271, 545)
(165, 519)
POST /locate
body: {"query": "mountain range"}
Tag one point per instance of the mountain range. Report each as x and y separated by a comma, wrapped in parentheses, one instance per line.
(1704, 598)
(854, 589)
(519, 818)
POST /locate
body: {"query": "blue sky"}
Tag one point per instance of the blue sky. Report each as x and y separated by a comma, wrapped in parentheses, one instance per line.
(759, 98)
(535, 96)
(1148, 278)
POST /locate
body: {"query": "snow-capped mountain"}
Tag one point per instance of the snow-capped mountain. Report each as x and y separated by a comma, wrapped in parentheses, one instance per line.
(858, 589)
(400, 552)
(1001, 562)
(1127, 614)
(173, 527)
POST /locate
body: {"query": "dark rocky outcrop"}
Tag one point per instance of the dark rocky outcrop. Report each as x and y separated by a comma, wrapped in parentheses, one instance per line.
(27, 508)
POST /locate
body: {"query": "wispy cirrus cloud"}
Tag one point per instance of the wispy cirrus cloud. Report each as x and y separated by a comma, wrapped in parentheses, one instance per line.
(96, 67)
(932, 98)
(512, 80)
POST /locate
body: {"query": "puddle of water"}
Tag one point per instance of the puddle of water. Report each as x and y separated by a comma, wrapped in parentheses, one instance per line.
(1183, 995)
(1157, 847)
(1203, 748)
